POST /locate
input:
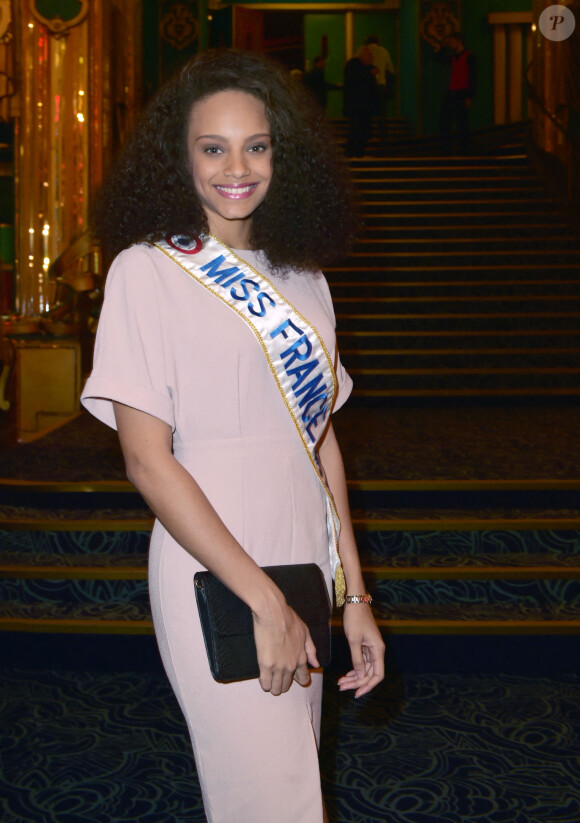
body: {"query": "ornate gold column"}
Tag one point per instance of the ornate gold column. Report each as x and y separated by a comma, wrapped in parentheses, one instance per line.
(78, 93)
(511, 32)
(51, 151)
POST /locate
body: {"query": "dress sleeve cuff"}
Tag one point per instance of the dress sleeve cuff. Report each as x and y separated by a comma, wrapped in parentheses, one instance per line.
(100, 392)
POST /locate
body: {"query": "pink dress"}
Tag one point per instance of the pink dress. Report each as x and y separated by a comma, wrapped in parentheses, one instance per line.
(168, 347)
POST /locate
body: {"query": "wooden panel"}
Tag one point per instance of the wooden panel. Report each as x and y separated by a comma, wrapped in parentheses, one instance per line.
(515, 76)
(499, 74)
(248, 29)
(507, 18)
(48, 382)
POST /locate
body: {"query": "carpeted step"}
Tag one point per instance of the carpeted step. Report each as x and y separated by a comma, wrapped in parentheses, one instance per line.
(467, 321)
(449, 192)
(394, 273)
(441, 207)
(445, 230)
(92, 583)
(462, 242)
(449, 342)
(459, 178)
(424, 607)
(493, 163)
(509, 615)
(68, 593)
(371, 290)
(461, 258)
(492, 139)
(357, 362)
(543, 305)
(468, 382)
(476, 217)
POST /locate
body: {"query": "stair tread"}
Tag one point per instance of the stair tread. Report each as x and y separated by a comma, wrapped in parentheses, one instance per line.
(484, 612)
(53, 517)
(110, 613)
(68, 564)
(98, 521)
(67, 561)
(62, 611)
(495, 560)
(441, 512)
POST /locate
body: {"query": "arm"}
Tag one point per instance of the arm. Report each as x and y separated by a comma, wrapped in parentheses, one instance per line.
(364, 639)
(282, 639)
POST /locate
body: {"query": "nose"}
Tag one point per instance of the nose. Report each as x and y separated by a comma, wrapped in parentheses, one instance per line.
(237, 165)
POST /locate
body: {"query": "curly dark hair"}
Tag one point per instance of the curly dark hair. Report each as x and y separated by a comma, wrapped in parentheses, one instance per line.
(309, 215)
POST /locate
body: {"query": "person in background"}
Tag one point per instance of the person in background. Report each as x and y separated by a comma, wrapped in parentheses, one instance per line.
(316, 83)
(360, 100)
(460, 92)
(385, 81)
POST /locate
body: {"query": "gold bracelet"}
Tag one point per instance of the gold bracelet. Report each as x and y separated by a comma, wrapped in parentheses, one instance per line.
(358, 598)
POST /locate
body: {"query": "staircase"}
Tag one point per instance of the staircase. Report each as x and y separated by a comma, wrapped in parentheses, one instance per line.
(464, 287)
(474, 567)
(465, 281)
(468, 549)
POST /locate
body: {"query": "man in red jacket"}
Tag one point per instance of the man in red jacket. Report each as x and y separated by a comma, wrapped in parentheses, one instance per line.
(460, 92)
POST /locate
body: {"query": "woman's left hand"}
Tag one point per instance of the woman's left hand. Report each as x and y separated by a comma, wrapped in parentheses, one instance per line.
(367, 650)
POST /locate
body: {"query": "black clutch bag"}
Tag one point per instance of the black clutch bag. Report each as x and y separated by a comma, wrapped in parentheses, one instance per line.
(228, 627)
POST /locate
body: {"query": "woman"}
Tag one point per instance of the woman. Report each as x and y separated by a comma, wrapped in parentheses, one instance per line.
(230, 166)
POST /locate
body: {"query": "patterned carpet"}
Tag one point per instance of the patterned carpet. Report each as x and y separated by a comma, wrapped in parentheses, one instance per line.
(446, 748)
(435, 443)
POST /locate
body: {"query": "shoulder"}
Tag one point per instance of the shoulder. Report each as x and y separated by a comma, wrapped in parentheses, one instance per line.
(142, 260)
(137, 253)
(140, 270)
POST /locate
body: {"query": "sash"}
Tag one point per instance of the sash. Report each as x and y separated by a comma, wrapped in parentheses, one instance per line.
(298, 359)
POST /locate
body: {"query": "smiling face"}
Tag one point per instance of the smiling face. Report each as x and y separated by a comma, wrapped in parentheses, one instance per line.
(230, 157)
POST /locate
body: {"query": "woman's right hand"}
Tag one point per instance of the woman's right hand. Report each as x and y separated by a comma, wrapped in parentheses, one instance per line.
(284, 648)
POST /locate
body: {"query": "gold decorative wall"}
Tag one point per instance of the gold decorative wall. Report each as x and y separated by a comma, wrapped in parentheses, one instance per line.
(78, 94)
(513, 50)
(7, 61)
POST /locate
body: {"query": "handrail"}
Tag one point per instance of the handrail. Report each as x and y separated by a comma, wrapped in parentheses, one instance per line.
(80, 247)
(76, 273)
(572, 149)
(533, 94)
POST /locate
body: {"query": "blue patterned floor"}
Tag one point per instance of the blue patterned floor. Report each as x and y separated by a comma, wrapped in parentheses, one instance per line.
(452, 748)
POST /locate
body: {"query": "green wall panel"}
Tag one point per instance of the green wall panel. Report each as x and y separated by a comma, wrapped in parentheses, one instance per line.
(317, 26)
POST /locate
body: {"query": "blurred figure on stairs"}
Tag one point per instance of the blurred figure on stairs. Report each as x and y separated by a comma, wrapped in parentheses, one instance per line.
(460, 91)
(316, 82)
(360, 100)
(385, 82)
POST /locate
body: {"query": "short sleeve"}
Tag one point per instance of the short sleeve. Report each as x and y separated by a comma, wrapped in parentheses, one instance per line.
(343, 378)
(129, 363)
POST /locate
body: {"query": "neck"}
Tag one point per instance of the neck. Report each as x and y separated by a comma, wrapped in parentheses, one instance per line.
(234, 233)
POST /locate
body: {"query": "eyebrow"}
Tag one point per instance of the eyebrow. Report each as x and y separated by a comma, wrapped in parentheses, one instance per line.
(221, 137)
